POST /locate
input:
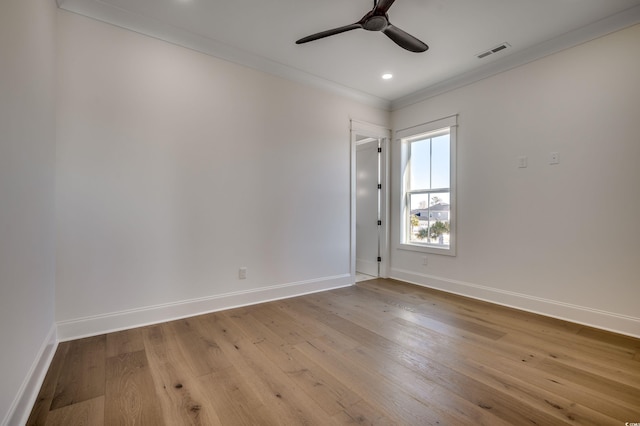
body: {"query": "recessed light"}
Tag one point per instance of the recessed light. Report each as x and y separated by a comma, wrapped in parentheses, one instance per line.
(387, 76)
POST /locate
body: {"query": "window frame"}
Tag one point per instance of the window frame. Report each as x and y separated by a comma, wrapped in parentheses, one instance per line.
(405, 137)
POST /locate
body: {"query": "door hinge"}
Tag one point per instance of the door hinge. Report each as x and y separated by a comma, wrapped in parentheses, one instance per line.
(379, 149)
(379, 259)
(379, 186)
(379, 222)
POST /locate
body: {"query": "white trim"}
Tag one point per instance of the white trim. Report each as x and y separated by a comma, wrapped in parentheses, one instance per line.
(604, 320)
(363, 142)
(369, 129)
(99, 10)
(428, 248)
(26, 396)
(115, 16)
(105, 12)
(404, 137)
(385, 203)
(115, 321)
(600, 28)
(363, 128)
(431, 126)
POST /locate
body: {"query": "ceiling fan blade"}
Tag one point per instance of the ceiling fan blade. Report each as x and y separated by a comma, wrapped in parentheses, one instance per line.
(328, 33)
(382, 6)
(405, 40)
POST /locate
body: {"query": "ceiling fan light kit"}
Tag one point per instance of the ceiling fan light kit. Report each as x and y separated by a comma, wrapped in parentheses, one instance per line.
(376, 20)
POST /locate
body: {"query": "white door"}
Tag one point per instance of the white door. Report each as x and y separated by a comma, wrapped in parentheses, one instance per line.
(367, 207)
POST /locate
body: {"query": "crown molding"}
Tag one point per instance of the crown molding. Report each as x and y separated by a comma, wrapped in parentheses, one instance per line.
(570, 39)
(98, 10)
(101, 11)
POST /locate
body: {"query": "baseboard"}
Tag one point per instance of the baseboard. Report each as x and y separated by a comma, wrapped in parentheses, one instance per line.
(100, 324)
(26, 397)
(604, 320)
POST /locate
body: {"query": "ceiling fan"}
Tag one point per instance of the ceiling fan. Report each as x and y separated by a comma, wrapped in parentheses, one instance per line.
(375, 20)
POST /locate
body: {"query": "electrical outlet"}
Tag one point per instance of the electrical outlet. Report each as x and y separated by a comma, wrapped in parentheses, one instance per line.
(242, 273)
(425, 260)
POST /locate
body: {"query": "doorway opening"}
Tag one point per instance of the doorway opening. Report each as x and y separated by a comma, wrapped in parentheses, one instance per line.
(369, 184)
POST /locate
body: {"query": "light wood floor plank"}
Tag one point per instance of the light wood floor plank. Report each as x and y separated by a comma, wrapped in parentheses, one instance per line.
(85, 413)
(382, 352)
(499, 373)
(382, 392)
(201, 353)
(234, 400)
(182, 399)
(524, 344)
(489, 398)
(83, 372)
(334, 397)
(280, 394)
(130, 394)
(123, 342)
(40, 410)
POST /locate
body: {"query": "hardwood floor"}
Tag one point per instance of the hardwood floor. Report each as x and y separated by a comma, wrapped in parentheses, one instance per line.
(382, 352)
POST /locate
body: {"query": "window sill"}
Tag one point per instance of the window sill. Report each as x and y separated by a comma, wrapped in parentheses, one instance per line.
(448, 251)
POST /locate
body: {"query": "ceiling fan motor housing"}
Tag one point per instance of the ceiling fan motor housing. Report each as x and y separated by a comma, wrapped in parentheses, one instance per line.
(375, 23)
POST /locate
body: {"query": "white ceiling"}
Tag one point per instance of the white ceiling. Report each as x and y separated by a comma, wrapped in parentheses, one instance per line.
(262, 34)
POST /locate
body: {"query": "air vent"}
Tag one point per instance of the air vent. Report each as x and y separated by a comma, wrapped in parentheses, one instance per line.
(493, 50)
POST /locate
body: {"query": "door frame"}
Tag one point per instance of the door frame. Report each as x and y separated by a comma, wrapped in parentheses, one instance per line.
(368, 130)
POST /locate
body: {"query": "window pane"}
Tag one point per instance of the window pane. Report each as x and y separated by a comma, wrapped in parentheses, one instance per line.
(440, 177)
(420, 165)
(429, 218)
(418, 216)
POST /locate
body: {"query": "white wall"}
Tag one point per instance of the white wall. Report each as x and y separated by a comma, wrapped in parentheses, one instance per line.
(27, 145)
(563, 240)
(174, 169)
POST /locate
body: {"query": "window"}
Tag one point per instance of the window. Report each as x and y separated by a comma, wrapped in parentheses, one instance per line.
(428, 187)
